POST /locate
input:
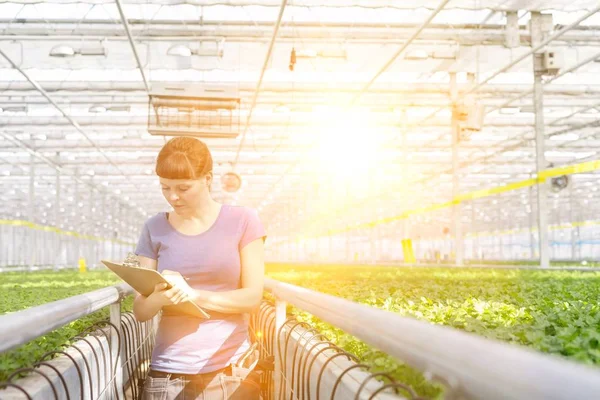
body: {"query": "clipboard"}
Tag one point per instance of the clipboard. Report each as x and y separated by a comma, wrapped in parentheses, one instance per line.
(143, 280)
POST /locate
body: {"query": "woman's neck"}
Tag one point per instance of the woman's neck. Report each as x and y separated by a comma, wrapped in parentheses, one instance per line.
(204, 212)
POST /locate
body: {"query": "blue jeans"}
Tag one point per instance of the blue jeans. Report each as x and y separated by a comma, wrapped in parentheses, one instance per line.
(242, 384)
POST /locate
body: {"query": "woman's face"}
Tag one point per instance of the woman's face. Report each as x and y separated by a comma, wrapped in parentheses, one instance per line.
(185, 195)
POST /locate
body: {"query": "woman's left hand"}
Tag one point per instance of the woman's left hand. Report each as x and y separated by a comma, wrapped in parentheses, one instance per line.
(178, 281)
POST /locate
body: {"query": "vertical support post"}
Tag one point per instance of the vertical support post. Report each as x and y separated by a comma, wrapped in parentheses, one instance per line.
(4, 251)
(378, 243)
(404, 161)
(474, 235)
(89, 227)
(456, 209)
(76, 219)
(371, 233)
(279, 375)
(119, 231)
(131, 226)
(512, 37)
(57, 220)
(31, 212)
(572, 221)
(103, 231)
(578, 248)
(117, 353)
(501, 225)
(531, 234)
(13, 246)
(57, 197)
(114, 232)
(284, 230)
(330, 214)
(538, 97)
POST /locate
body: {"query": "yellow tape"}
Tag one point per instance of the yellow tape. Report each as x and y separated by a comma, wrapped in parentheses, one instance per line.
(46, 228)
(571, 169)
(477, 194)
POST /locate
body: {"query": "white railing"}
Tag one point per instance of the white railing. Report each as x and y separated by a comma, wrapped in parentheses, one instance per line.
(20, 327)
(471, 367)
(399, 264)
(85, 374)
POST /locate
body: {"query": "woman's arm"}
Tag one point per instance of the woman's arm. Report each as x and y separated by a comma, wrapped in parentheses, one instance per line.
(247, 298)
(145, 308)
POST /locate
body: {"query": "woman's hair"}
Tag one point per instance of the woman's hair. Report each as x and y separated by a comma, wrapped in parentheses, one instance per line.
(183, 158)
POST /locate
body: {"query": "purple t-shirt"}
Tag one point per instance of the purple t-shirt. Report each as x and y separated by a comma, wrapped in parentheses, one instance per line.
(211, 261)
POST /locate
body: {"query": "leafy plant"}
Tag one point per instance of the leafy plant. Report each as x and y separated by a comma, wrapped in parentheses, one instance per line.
(555, 312)
(19, 291)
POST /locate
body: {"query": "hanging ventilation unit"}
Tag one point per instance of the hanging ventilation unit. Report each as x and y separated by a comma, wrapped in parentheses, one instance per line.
(193, 110)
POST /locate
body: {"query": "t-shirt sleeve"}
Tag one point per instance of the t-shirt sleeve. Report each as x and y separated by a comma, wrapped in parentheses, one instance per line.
(145, 247)
(253, 228)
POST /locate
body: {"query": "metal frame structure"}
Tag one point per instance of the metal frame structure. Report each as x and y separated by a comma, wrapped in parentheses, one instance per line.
(73, 128)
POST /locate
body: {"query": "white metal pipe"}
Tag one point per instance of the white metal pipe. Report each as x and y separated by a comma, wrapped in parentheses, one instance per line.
(562, 73)
(530, 220)
(540, 138)
(280, 318)
(478, 368)
(57, 198)
(64, 114)
(32, 242)
(457, 208)
(260, 79)
(20, 327)
(117, 353)
(555, 121)
(393, 58)
(68, 117)
(11, 88)
(133, 48)
(534, 49)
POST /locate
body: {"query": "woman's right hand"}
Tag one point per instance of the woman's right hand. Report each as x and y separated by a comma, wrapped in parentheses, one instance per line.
(168, 297)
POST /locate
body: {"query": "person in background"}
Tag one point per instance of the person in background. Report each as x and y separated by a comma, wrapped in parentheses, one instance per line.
(211, 254)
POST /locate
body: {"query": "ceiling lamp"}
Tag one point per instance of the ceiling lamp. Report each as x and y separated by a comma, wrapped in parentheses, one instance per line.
(180, 51)
(62, 51)
(419, 54)
(14, 109)
(97, 109)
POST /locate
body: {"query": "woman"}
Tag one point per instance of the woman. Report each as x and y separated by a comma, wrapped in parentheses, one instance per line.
(211, 254)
